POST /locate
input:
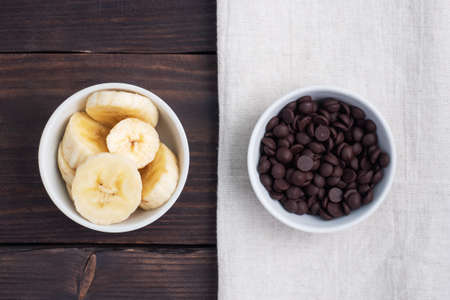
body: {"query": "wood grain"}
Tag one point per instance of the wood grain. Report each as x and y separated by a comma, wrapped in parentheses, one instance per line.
(99, 273)
(160, 26)
(33, 85)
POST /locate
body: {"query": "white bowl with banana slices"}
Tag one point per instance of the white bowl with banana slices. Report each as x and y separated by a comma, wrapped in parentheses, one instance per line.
(114, 157)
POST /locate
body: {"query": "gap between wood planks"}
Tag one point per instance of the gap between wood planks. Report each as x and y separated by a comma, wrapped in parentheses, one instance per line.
(108, 52)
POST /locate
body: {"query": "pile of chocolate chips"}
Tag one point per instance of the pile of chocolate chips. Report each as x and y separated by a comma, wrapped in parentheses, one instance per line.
(321, 158)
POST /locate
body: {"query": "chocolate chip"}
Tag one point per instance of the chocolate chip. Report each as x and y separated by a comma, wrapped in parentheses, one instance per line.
(383, 160)
(264, 166)
(310, 129)
(302, 138)
(276, 196)
(305, 107)
(294, 192)
(311, 190)
(297, 148)
(325, 169)
(335, 195)
(321, 120)
(374, 155)
(335, 210)
(340, 147)
(332, 180)
(321, 193)
(283, 143)
(357, 113)
(345, 108)
(281, 131)
(340, 125)
(284, 155)
(308, 152)
(331, 158)
(354, 163)
(292, 106)
(338, 172)
(339, 138)
(357, 148)
(345, 120)
(319, 181)
(302, 208)
(280, 184)
(287, 115)
(266, 180)
(377, 176)
(365, 164)
(315, 208)
(349, 175)
(346, 208)
(291, 138)
(298, 178)
(354, 200)
(324, 202)
(302, 123)
(311, 200)
(322, 133)
(357, 134)
(290, 206)
(370, 126)
(369, 139)
(269, 151)
(365, 177)
(324, 215)
(304, 163)
(363, 188)
(304, 99)
(347, 153)
(316, 147)
(269, 143)
(368, 197)
(272, 123)
(331, 105)
(278, 171)
(316, 165)
(341, 184)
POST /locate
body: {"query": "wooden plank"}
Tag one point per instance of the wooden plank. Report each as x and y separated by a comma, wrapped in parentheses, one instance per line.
(33, 85)
(103, 273)
(108, 26)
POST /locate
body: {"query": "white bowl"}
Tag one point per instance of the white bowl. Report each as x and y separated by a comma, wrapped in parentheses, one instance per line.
(313, 223)
(170, 131)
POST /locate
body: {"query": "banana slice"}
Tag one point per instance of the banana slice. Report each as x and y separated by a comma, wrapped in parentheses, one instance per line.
(83, 137)
(106, 189)
(159, 179)
(110, 107)
(69, 190)
(66, 171)
(134, 139)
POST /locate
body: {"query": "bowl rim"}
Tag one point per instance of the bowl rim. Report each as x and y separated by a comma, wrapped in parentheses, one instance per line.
(254, 176)
(161, 105)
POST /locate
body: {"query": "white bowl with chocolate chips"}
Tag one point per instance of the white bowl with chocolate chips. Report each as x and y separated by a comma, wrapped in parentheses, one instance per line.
(321, 159)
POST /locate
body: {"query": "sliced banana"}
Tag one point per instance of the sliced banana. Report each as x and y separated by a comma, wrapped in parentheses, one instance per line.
(66, 171)
(110, 107)
(134, 139)
(69, 190)
(159, 179)
(107, 188)
(83, 137)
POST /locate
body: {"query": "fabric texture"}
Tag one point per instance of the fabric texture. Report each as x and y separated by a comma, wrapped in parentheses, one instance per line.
(397, 55)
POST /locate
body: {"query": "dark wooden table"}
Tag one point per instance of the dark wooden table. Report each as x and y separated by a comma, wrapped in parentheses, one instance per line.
(48, 51)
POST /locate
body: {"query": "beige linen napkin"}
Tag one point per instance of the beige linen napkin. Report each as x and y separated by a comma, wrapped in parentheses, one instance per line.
(397, 55)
